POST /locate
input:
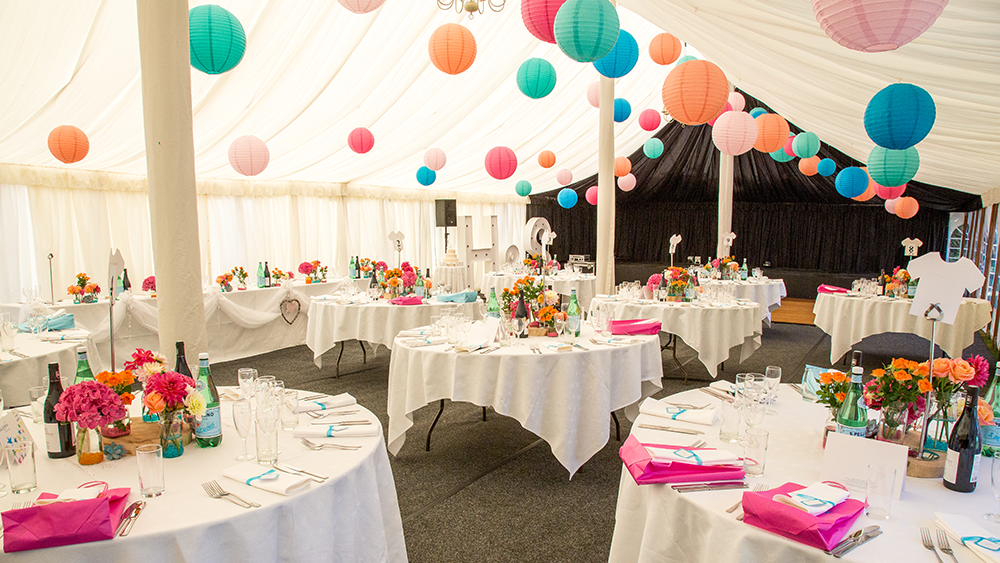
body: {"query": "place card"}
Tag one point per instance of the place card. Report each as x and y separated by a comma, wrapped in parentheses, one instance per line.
(12, 432)
(846, 459)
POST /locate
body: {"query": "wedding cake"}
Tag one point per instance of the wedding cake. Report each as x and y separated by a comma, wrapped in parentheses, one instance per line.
(450, 257)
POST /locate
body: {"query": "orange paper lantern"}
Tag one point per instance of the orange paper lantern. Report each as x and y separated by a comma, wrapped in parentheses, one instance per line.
(622, 166)
(695, 92)
(664, 49)
(69, 144)
(807, 166)
(547, 159)
(772, 132)
(906, 207)
(452, 48)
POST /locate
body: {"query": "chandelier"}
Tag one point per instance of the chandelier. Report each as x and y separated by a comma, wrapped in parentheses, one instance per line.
(471, 6)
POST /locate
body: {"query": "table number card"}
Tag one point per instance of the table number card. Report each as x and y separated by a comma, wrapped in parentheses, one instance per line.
(846, 459)
(12, 431)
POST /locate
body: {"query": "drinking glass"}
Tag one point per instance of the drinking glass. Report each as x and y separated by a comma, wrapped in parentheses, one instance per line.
(243, 420)
(268, 418)
(290, 410)
(21, 467)
(772, 378)
(37, 397)
(246, 377)
(261, 385)
(881, 479)
(560, 328)
(995, 483)
(755, 452)
(608, 315)
(7, 331)
(754, 407)
(729, 428)
(149, 458)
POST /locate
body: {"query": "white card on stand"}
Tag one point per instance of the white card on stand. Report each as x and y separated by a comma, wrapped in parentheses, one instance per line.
(12, 431)
(846, 459)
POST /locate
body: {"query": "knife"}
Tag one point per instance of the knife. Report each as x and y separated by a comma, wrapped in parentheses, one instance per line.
(670, 429)
(703, 485)
(343, 423)
(300, 470)
(581, 347)
(292, 471)
(712, 488)
(134, 517)
(126, 516)
(868, 537)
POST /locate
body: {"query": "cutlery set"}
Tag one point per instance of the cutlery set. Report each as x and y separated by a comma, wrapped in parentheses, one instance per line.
(854, 540)
(713, 486)
(321, 414)
(943, 545)
(670, 429)
(317, 447)
(715, 393)
(285, 468)
(129, 517)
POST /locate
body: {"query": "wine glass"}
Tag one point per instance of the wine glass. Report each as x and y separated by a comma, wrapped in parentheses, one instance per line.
(243, 419)
(772, 378)
(753, 408)
(995, 483)
(246, 377)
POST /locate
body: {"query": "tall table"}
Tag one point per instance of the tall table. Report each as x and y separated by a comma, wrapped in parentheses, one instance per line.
(767, 293)
(850, 319)
(566, 398)
(563, 284)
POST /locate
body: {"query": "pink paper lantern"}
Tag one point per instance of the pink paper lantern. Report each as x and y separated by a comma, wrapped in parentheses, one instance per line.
(594, 94)
(539, 17)
(435, 159)
(788, 146)
(361, 140)
(362, 6)
(890, 205)
(888, 192)
(248, 155)
(564, 177)
(734, 132)
(728, 107)
(649, 119)
(873, 26)
(737, 101)
(626, 182)
(501, 163)
(592, 195)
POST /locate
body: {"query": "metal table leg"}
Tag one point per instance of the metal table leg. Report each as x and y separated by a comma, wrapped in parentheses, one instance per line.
(433, 424)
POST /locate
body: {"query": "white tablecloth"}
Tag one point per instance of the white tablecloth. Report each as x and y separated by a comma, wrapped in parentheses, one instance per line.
(451, 279)
(654, 523)
(18, 374)
(354, 516)
(767, 294)
(848, 320)
(563, 284)
(566, 398)
(378, 323)
(710, 329)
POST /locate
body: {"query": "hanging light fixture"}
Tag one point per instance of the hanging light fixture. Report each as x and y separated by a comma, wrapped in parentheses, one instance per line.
(471, 6)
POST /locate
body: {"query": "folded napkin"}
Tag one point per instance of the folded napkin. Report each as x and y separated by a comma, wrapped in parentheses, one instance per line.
(341, 400)
(60, 322)
(696, 456)
(422, 331)
(460, 297)
(270, 480)
(64, 335)
(653, 407)
(972, 535)
(84, 493)
(636, 326)
(724, 386)
(814, 499)
(823, 288)
(229, 393)
(408, 300)
(421, 342)
(335, 431)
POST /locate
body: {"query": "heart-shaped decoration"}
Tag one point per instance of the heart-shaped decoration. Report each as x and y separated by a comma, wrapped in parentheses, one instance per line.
(290, 309)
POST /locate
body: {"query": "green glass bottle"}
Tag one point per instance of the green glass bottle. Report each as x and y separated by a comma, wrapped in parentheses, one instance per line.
(492, 306)
(573, 320)
(83, 372)
(208, 430)
(260, 274)
(743, 270)
(418, 288)
(352, 269)
(991, 434)
(852, 418)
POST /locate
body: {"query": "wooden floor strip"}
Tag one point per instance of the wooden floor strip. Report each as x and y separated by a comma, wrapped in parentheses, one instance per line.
(794, 311)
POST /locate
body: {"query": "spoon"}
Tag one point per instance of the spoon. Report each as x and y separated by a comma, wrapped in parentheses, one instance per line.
(852, 538)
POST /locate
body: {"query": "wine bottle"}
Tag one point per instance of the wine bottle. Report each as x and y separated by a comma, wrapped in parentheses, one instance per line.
(661, 287)
(83, 372)
(492, 307)
(126, 285)
(573, 319)
(852, 418)
(208, 430)
(521, 317)
(59, 440)
(991, 434)
(267, 275)
(181, 365)
(260, 274)
(961, 463)
(881, 283)
(743, 270)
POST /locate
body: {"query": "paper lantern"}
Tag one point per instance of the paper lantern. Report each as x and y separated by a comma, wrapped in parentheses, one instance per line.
(539, 16)
(523, 187)
(452, 48)
(873, 26)
(361, 140)
(781, 156)
(622, 58)
(695, 92)
(435, 159)
(772, 132)
(536, 78)
(594, 94)
(807, 166)
(248, 155)
(664, 49)
(622, 166)
(734, 133)
(546, 159)
(623, 109)
(888, 192)
(806, 144)
(890, 205)
(866, 195)
(592, 195)
(567, 198)
(501, 163)
(564, 177)
(586, 30)
(737, 101)
(216, 37)
(68, 143)
(906, 207)
(652, 148)
(851, 182)
(426, 176)
(788, 145)
(686, 58)
(755, 112)
(362, 6)
(891, 167)
(649, 119)
(627, 182)
(899, 116)
(716, 118)
(826, 167)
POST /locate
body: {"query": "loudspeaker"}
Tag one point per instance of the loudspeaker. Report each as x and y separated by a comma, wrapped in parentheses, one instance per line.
(446, 214)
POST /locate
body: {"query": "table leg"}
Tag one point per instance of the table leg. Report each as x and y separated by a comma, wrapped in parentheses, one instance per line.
(341, 355)
(618, 427)
(672, 346)
(433, 424)
(484, 414)
(364, 353)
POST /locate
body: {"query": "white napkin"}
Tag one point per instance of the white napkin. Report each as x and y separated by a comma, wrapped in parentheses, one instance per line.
(335, 431)
(963, 529)
(662, 410)
(342, 400)
(64, 335)
(421, 331)
(421, 342)
(815, 499)
(695, 456)
(229, 393)
(270, 480)
(85, 493)
(724, 386)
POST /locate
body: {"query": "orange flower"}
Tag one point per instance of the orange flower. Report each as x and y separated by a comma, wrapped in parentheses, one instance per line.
(840, 396)
(826, 378)
(127, 398)
(877, 373)
(925, 385)
(985, 413)
(899, 363)
(902, 375)
(961, 370)
(839, 377)
(911, 365)
(942, 367)
(154, 402)
(921, 370)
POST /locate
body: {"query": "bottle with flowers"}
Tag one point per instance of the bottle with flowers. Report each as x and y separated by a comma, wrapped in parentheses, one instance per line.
(149, 285)
(898, 283)
(531, 289)
(121, 383)
(319, 273)
(277, 274)
(533, 263)
(91, 405)
(84, 291)
(171, 395)
(225, 281)
(393, 284)
(143, 365)
(307, 269)
(241, 277)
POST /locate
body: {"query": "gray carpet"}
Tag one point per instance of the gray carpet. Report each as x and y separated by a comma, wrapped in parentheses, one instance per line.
(492, 491)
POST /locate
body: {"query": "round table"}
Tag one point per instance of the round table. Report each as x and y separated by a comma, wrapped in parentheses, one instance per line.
(562, 283)
(566, 398)
(850, 319)
(767, 293)
(450, 278)
(653, 523)
(18, 374)
(353, 516)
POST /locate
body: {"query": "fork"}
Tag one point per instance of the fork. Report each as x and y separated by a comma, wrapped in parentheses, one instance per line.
(317, 447)
(925, 536)
(316, 414)
(214, 490)
(534, 348)
(943, 544)
(759, 487)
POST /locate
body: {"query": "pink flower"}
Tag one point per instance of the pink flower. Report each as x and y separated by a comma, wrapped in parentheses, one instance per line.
(89, 404)
(982, 368)
(306, 268)
(654, 281)
(149, 284)
(381, 266)
(171, 386)
(409, 278)
(715, 263)
(406, 267)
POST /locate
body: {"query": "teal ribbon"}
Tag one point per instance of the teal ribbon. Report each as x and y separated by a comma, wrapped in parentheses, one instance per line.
(811, 501)
(322, 407)
(689, 455)
(993, 544)
(261, 476)
(334, 428)
(674, 412)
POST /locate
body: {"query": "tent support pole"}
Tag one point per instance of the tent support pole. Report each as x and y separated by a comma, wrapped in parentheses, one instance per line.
(606, 189)
(725, 202)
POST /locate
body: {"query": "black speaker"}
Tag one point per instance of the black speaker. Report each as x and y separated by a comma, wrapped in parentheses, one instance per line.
(446, 214)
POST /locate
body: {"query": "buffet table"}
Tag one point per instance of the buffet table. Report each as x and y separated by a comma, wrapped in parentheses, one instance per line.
(766, 293)
(653, 523)
(563, 283)
(849, 319)
(353, 516)
(566, 398)
(18, 374)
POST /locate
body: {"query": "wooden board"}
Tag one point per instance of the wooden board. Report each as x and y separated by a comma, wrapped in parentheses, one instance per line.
(922, 469)
(144, 433)
(794, 311)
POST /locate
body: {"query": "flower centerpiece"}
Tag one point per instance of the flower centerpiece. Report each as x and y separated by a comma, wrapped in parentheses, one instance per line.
(897, 391)
(367, 265)
(678, 281)
(225, 281)
(170, 395)
(121, 383)
(948, 378)
(551, 267)
(277, 275)
(319, 274)
(408, 277)
(84, 291)
(653, 283)
(143, 365)
(241, 277)
(90, 405)
(149, 285)
(526, 286)
(898, 282)
(391, 280)
(533, 262)
(307, 268)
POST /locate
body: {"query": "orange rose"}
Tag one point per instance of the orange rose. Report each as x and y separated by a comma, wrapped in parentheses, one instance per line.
(942, 367)
(902, 375)
(154, 402)
(840, 396)
(877, 373)
(826, 378)
(925, 385)
(921, 370)
(961, 370)
(899, 363)
(839, 377)
(127, 398)
(985, 413)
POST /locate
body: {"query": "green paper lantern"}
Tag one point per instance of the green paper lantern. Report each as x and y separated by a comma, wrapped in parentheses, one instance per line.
(523, 188)
(586, 30)
(685, 59)
(781, 156)
(652, 148)
(217, 39)
(536, 78)
(805, 144)
(890, 167)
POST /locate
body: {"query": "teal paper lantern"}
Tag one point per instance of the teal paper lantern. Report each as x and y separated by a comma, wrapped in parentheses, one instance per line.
(890, 167)
(805, 144)
(900, 116)
(781, 156)
(536, 78)
(217, 39)
(652, 148)
(566, 198)
(851, 182)
(623, 109)
(622, 58)
(685, 59)
(586, 30)
(426, 176)
(523, 188)
(757, 111)
(826, 167)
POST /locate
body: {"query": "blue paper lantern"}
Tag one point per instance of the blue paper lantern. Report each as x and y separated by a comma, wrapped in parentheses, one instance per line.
(566, 198)
(623, 109)
(899, 116)
(523, 188)
(653, 148)
(586, 30)
(757, 111)
(805, 144)
(890, 167)
(780, 155)
(426, 176)
(851, 182)
(622, 58)
(217, 39)
(826, 167)
(536, 78)
(685, 59)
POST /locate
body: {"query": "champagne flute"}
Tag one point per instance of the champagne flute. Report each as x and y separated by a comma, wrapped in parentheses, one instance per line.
(772, 378)
(243, 419)
(995, 483)
(246, 377)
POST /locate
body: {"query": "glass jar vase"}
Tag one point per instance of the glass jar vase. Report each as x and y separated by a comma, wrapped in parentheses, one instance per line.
(893, 425)
(89, 449)
(171, 433)
(120, 427)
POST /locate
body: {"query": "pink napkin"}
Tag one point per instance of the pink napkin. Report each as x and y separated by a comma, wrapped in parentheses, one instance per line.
(823, 288)
(646, 470)
(636, 326)
(408, 300)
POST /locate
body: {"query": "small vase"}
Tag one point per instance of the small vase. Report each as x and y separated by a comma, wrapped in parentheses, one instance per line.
(171, 434)
(831, 424)
(118, 428)
(89, 449)
(309, 279)
(148, 416)
(242, 286)
(76, 298)
(89, 298)
(893, 425)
